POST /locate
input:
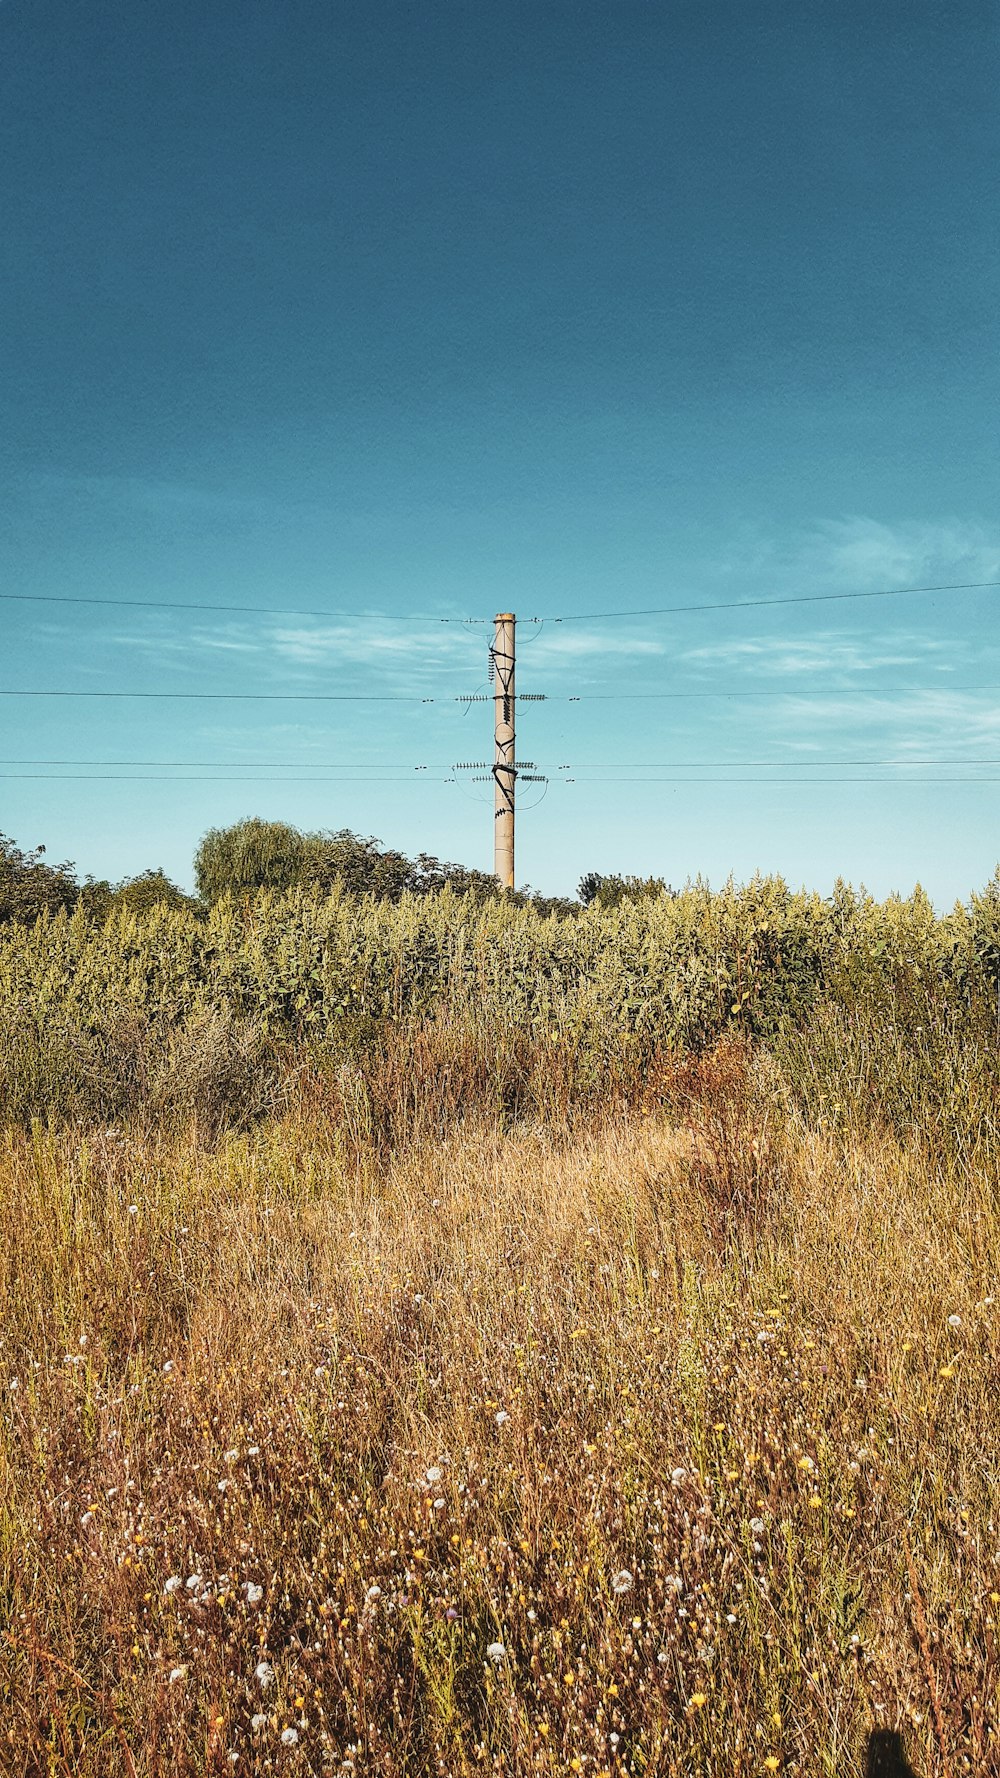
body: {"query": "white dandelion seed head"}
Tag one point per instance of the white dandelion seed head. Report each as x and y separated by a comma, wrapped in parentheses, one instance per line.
(288, 1737)
(954, 1321)
(253, 1592)
(177, 1674)
(502, 1417)
(435, 1473)
(497, 1652)
(677, 1476)
(439, 1503)
(622, 1582)
(173, 1585)
(133, 1209)
(264, 1675)
(373, 1593)
(194, 1583)
(258, 1722)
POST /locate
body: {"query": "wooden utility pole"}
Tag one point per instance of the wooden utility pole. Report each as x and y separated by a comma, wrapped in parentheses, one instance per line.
(504, 757)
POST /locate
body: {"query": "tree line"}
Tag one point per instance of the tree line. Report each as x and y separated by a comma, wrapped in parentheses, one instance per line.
(254, 854)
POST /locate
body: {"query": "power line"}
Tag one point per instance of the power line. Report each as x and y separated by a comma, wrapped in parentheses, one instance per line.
(170, 778)
(384, 617)
(587, 783)
(961, 586)
(785, 691)
(625, 765)
(530, 697)
(696, 783)
(256, 697)
(894, 592)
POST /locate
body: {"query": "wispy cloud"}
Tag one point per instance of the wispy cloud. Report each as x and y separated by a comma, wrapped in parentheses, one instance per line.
(943, 722)
(830, 652)
(862, 552)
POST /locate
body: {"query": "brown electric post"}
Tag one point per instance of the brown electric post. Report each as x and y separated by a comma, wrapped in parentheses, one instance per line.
(504, 757)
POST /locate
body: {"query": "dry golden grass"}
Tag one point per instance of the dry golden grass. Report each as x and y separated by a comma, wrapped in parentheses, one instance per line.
(607, 1446)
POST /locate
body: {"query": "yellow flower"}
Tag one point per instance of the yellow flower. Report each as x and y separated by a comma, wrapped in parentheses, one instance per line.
(771, 1764)
(698, 1701)
(804, 1463)
(947, 1370)
(815, 1502)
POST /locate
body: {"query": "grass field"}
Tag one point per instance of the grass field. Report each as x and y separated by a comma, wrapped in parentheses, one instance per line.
(409, 1425)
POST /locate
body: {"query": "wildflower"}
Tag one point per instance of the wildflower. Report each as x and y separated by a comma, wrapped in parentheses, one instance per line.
(288, 1737)
(771, 1764)
(176, 1675)
(497, 1652)
(373, 1593)
(253, 1592)
(174, 1584)
(435, 1473)
(947, 1370)
(231, 1456)
(805, 1463)
(757, 1527)
(698, 1701)
(133, 1209)
(815, 1502)
(622, 1581)
(264, 1675)
(954, 1321)
(439, 1503)
(258, 1722)
(168, 1367)
(193, 1583)
(87, 1518)
(502, 1417)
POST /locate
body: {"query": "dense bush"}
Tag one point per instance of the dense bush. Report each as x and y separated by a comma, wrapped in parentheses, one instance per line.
(91, 1014)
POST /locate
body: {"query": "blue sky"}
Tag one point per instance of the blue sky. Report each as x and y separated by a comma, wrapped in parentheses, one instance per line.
(557, 308)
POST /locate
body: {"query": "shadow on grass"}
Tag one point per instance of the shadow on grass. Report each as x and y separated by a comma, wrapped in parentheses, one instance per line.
(887, 1756)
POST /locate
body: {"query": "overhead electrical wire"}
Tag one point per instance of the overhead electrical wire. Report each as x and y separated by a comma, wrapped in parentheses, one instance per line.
(173, 778)
(893, 592)
(530, 697)
(597, 765)
(383, 617)
(588, 783)
(960, 586)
